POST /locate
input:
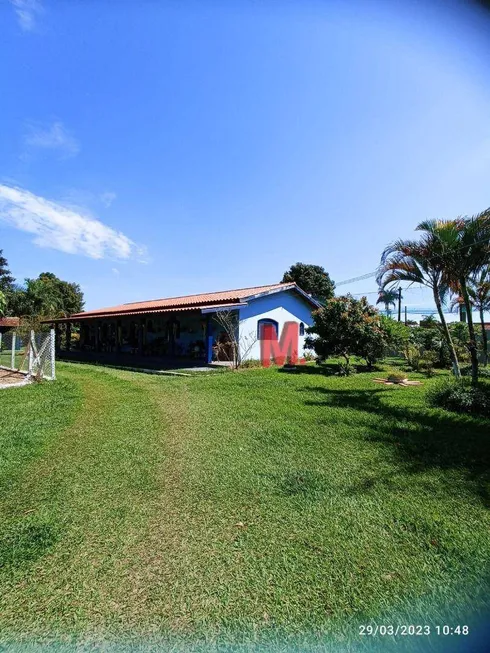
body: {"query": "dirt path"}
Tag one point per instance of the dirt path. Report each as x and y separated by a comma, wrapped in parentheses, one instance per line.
(93, 494)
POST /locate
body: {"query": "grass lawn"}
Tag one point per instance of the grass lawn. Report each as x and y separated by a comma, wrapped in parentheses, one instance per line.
(248, 505)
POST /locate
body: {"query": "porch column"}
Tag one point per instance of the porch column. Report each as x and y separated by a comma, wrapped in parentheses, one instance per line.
(82, 331)
(68, 336)
(97, 336)
(118, 336)
(141, 329)
(103, 336)
(209, 339)
(57, 337)
(114, 336)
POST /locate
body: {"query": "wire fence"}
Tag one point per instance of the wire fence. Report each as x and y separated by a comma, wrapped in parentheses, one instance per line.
(32, 355)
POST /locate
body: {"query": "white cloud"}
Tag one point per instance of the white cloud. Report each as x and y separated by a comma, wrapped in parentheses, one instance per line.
(60, 227)
(107, 198)
(27, 11)
(53, 137)
(115, 272)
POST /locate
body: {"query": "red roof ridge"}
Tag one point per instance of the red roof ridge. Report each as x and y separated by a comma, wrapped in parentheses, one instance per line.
(213, 292)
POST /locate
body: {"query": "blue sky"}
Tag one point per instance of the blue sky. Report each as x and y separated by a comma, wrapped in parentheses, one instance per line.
(152, 149)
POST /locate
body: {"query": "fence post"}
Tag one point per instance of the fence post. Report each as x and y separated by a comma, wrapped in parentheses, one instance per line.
(12, 358)
(31, 340)
(52, 335)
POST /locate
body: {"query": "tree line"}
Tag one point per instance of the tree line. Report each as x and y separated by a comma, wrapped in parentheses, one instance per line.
(452, 258)
(37, 299)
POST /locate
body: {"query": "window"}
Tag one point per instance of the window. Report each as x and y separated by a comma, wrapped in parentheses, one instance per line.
(267, 329)
(301, 329)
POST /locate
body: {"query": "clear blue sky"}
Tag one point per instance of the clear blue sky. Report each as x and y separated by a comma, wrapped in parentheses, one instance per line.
(151, 149)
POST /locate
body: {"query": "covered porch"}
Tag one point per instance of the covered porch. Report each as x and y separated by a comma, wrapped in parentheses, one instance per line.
(131, 361)
(169, 339)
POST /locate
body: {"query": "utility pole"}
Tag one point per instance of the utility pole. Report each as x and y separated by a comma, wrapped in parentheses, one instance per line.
(406, 319)
(399, 304)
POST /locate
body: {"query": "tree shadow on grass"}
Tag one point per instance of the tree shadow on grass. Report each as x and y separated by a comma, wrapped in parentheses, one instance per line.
(23, 543)
(329, 368)
(421, 439)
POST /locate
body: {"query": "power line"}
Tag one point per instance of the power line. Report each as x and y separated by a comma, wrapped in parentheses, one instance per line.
(376, 292)
(363, 276)
(373, 274)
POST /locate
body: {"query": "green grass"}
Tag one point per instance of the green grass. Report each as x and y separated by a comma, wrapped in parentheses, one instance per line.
(247, 505)
(6, 358)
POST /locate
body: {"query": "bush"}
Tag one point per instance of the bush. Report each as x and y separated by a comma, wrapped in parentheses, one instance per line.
(395, 376)
(461, 397)
(483, 372)
(397, 334)
(413, 356)
(427, 362)
(347, 327)
(345, 369)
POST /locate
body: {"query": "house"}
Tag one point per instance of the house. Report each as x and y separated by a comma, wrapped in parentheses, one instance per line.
(189, 326)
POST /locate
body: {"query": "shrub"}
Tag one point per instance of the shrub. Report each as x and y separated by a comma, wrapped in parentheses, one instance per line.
(395, 376)
(347, 327)
(397, 334)
(461, 397)
(413, 356)
(483, 372)
(345, 369)
(427, 362)
(431, 339)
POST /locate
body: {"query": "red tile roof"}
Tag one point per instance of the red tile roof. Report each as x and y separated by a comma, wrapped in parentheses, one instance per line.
(187, 302)
(9, 321)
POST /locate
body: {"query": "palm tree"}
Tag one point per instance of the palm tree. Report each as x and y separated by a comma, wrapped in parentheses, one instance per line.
(463, 247)
(480, 290)
(419, 262)
(388, 298)
(479, 293)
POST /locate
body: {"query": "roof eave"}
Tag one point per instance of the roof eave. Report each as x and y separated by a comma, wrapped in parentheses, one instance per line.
(82, 317)
(224, 307)
(292, 286)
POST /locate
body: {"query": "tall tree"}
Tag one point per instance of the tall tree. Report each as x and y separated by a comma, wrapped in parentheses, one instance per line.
(388, 298)
(6, 279)
(479, 292)
(70, 294)
(348, 327)
(46, 297)
(480, 296)
(313, 279)
(419, 261)
(464, 250)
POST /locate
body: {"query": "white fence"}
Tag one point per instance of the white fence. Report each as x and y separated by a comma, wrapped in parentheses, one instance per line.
(33, 355)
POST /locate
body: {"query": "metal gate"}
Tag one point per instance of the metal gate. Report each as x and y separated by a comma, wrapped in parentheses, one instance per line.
(33, 355)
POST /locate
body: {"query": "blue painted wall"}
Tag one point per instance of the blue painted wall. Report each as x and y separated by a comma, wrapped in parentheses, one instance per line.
(286, 306)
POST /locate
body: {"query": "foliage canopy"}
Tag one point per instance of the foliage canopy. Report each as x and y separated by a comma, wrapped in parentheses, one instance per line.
(347, 327)
(313, 279)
